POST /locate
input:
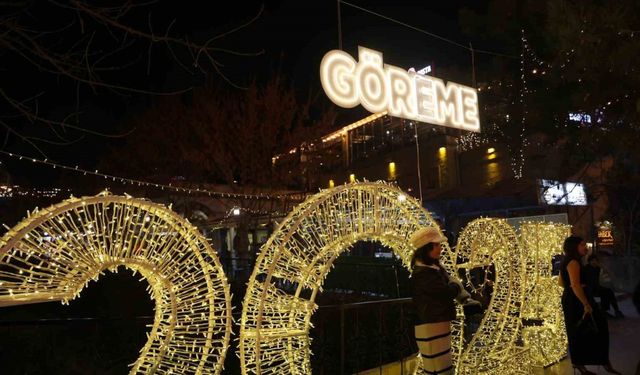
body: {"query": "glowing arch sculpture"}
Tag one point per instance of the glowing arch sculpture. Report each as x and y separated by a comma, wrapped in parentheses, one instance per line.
(53, 254)
(547, 340)
(275, 324)
(493, 348)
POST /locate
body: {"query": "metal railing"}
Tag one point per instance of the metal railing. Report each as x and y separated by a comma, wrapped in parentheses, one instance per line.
(346, 338)
(354, 337)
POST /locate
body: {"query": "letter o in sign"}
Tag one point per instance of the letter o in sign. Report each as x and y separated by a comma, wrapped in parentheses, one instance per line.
(371, 81)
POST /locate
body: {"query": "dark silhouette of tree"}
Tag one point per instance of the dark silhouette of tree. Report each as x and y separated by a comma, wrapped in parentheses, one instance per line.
(58, 55)
(223, 137)
(579, 58)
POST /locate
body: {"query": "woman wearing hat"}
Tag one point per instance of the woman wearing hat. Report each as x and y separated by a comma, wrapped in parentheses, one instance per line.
(433, 292)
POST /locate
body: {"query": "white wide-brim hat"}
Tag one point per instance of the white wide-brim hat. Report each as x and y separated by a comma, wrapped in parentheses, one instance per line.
(426, 235)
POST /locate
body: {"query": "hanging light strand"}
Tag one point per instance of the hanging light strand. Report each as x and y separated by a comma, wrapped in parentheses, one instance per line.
(170, 187)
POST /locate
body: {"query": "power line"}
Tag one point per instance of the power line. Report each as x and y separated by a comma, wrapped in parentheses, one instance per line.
(428, 33)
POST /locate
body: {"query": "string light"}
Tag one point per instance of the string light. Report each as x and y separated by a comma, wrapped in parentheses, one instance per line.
(517, 160)
(471, 141)
(54, 253)
(7, 191)
(541, 67)
(170, 187)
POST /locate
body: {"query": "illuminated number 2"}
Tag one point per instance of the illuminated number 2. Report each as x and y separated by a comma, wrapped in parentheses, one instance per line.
(55, 252)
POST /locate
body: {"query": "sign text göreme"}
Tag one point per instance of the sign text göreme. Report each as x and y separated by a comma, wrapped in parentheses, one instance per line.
(380, 87)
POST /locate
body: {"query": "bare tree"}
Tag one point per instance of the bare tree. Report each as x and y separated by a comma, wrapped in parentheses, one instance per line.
(80, 48)
(225, 137)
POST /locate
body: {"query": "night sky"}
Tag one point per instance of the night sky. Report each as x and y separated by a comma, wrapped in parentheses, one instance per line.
(293, 34)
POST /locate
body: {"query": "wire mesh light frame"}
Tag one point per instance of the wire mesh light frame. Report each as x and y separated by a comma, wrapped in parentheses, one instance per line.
(275, 323)
(547, 341)
(54, 253)
(494, 348)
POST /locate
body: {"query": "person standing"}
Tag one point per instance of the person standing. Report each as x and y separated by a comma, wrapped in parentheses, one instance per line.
(433, 292)
(587, 345)
(607, 297)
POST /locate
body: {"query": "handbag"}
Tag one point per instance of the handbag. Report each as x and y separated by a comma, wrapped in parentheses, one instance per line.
(587, 326)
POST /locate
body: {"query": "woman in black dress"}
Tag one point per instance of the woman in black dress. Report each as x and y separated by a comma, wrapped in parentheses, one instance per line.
(587, 345)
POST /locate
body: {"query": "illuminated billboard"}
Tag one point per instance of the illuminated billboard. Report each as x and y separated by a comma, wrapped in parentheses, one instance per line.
(562, 193)
(381, 87)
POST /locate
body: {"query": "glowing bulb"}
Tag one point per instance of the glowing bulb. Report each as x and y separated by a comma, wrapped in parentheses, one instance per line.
(392, 171)
(491, 150)
(402, 198)
(442, 152)
(236, 211)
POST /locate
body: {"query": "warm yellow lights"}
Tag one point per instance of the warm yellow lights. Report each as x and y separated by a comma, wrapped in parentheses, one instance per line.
(275, 323)
(352, 178)
(442, 152)
(492, 243)
(491, 150)
(274, 327)
(331, 184)
(392, 171)
(547, 342)
(382, 87)
(55, 252)
(341, 132)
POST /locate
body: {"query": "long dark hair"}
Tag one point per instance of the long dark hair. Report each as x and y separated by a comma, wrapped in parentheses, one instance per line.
(570, 248)
(422, 254)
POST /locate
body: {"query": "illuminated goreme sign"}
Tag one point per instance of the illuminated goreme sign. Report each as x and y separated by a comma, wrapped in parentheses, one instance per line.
(381, 87)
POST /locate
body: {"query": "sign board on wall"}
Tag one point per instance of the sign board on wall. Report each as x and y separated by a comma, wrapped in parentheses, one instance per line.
(605, 237)
(381, 87)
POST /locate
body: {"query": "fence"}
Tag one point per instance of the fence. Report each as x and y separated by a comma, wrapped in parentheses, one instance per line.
(351, 338)
(346, 339)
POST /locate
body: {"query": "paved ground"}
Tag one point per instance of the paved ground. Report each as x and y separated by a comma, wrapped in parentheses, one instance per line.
(625, 344)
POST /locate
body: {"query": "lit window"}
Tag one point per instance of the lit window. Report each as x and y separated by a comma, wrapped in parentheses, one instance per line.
(392, 171)
(442, 152)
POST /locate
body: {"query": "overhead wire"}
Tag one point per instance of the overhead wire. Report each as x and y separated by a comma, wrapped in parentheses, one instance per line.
(453, 42)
